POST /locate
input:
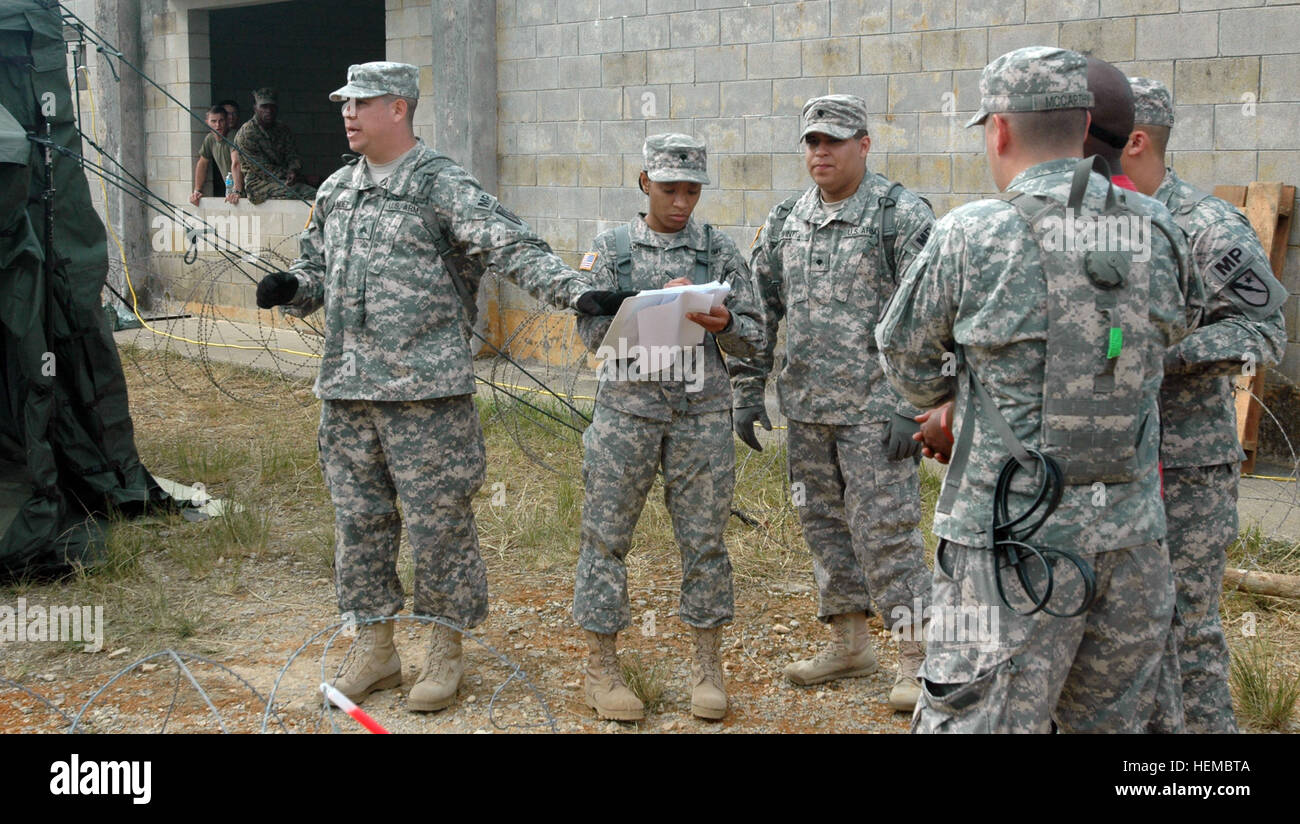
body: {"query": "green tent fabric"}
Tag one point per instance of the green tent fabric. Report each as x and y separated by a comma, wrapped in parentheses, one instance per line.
(67, 446)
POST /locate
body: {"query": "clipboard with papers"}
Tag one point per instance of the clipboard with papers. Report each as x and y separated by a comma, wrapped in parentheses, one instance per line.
(656, 318)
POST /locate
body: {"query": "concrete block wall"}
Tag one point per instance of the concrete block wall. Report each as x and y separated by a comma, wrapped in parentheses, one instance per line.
(582, 82)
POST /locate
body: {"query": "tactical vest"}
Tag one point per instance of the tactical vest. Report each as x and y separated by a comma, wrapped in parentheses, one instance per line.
(623, 257)
(464, 271)
(886, 226)
(1092, 383)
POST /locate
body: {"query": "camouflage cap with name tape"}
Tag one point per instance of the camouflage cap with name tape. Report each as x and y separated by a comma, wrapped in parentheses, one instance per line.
(836, 115)
(379, 78)
(1153, 105)
(1034, 79)
(671, 157)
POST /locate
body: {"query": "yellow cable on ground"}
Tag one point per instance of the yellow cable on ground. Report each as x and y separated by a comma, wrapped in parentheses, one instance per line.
(1270, 478)
(135, 301)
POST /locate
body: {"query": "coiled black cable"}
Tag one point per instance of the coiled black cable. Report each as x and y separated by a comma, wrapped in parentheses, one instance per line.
(1011, 535)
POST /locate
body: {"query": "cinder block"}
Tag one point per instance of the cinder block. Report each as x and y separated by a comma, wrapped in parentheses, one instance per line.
(1259, 31)
(874, 90)
(1280, 79)
(1193, 128)
(694, 28)
(600, 36)
(601, 104)
(745, 171)
(695, 100)
(720, 63)
(859, 17)
(1263, 126)
(620, 204)
(771, 134)
(670, 66)
(919, 15)
(1280, 166)
(954, 49)
(516, 107)
(1111, 40)
(600, 170)
(789, 96)
(890, 53)
(623, 69)
(946, 132)
(1121, 8)
(919, 92)
(578, 70)
(518, 170)
(668, 6)
(557, 170)
(648, 102)
(834, 56)
(643, 33)
(558, 40)
(539, 73)
(1218, 80)
(771, 60)
(537, 12)
(571, 11)
(720, 207)
(970, 174)
(724, 135)
(1038, 11)
(746, 25)
(1003, 39)
(790, 171)
(746, 97)
(1205, 170)
(622, 8)
(622, 136)
(514, 44)
(1178, 36)
(991, 13)
(933, 173)
(537, 138)
(557, 104)
(579, 137)
(801, 21)
(893, 133)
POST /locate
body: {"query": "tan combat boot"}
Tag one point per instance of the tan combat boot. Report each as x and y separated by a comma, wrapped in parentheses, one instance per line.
(907, 686)
(709, 696)
(604, 690)
(848, 655)
(440, 678)
(372, 663)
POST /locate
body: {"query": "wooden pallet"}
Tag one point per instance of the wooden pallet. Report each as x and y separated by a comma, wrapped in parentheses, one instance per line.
(1269, 208)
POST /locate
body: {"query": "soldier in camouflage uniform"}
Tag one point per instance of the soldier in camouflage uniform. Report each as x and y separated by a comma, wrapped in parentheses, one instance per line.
(980, 291)
(393, 252)
(828, 263)
(1242, 328)
(270, 143)
(679, 419)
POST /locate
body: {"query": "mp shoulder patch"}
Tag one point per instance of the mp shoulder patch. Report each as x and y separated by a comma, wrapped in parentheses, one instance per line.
(919, 239)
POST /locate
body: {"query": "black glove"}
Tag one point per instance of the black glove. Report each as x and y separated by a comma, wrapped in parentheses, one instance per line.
(744, 419)
(601, 303)
(276, 289)
(898, 438)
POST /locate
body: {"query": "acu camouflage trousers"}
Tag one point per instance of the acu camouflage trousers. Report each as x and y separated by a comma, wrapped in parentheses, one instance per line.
(1201, 509)
(621, 456)
(1097, 672)
(860, 513)
(430, 455)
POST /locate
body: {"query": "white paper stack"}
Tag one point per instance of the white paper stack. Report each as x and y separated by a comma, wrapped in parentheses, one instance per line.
(657, 317)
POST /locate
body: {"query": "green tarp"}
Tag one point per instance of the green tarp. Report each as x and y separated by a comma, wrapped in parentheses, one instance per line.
(67, 447)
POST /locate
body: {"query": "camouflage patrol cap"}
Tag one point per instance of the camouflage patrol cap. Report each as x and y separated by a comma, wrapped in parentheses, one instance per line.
(670, 157)
(838, 115)
(1152, 103)
(378, 79)
(1034, 79)
(264, 96)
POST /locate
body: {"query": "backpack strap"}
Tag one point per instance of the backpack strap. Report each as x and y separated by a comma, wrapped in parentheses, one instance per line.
(623, 256)
(702, 256)
(779, 214)
(888, 228)
(446, 252)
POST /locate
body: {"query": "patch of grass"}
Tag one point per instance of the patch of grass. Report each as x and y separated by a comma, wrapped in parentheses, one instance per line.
(1265, 692)
(1255, 550)
(244, 527)
(647, 681)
